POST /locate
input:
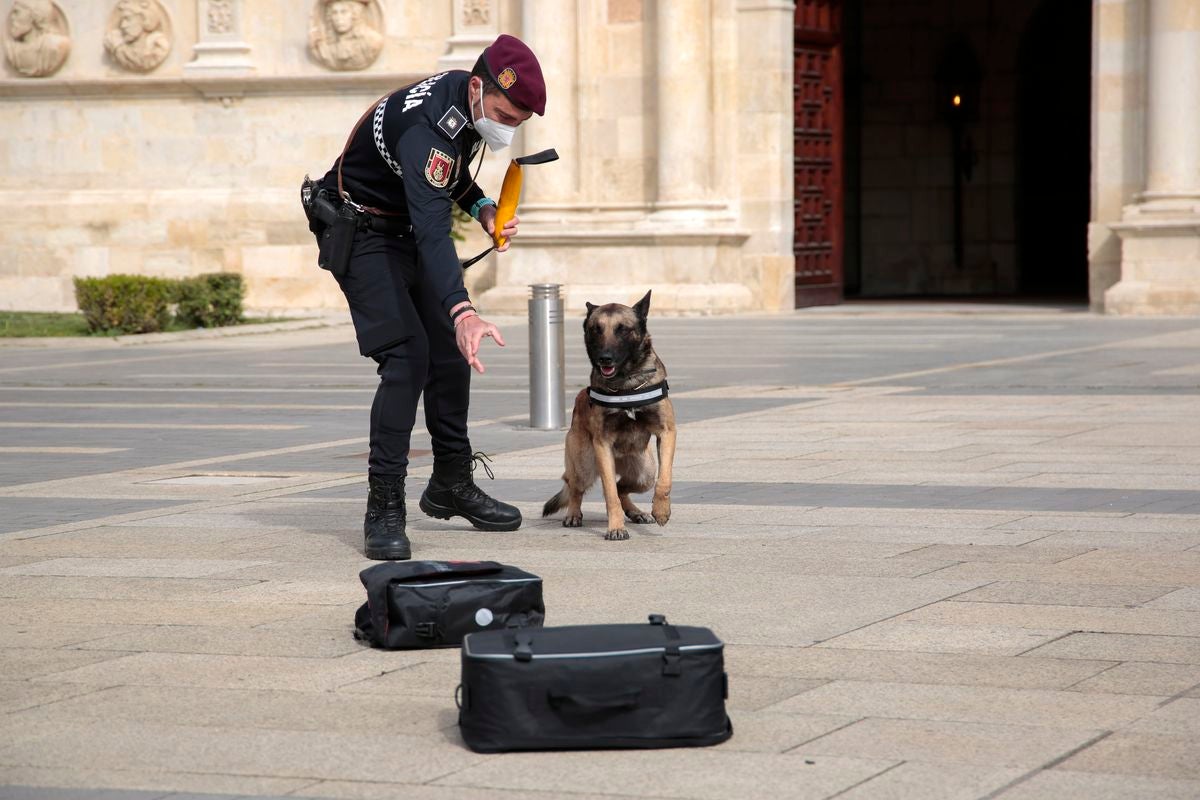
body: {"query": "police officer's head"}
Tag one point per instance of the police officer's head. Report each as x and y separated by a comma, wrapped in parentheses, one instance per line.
(508, 80)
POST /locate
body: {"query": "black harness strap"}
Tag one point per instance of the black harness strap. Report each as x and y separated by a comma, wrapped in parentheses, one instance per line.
(637, 398)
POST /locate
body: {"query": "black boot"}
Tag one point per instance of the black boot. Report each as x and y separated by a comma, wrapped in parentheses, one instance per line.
(383, 526)
(452, 492)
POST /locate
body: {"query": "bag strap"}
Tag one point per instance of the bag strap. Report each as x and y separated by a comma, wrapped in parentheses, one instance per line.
(524, 646)
(671, 665)
(349, 139)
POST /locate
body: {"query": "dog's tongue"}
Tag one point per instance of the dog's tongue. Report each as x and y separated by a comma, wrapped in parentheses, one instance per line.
(607, 371)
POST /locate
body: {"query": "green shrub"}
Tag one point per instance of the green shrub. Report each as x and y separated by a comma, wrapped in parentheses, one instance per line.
(125, 303)
(209, 301)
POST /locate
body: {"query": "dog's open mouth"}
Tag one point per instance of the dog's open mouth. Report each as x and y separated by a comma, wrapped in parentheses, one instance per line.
(608, 372)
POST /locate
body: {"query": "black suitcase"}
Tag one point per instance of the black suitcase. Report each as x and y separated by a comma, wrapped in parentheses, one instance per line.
(419, 604)
(593, 686)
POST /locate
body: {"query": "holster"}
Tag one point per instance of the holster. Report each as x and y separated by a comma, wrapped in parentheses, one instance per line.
(333, 225)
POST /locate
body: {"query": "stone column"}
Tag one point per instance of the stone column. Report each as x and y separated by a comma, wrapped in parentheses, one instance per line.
(1173, 94)
(765, 51)
(552, 37)
(474, 27)
(683, 69)
(1160, 233)
(1118, 140)
(220, 49)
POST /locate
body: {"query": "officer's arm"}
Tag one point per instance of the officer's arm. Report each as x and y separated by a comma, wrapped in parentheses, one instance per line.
(428, 162)
(468, 193)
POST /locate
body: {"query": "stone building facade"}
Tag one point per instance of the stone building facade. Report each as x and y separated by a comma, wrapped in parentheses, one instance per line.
(169, 137)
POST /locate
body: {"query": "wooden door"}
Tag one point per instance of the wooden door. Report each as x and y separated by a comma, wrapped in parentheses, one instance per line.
(817, 93)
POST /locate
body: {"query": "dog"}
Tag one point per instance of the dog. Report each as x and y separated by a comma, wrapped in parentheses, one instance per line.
(625, 404)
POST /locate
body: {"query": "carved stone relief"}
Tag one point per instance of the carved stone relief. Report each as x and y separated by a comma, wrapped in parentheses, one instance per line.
(139, 34)
(36, 40)
(476, 12)
(346, 34)
(220, 16)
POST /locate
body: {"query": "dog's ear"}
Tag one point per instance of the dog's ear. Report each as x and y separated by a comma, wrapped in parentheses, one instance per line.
(590, 307)
(642, 308)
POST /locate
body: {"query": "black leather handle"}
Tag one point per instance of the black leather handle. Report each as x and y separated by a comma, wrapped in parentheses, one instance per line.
(591, 702)
(543, 157)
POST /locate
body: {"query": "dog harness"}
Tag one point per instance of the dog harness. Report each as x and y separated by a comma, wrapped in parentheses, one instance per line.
(633, 399)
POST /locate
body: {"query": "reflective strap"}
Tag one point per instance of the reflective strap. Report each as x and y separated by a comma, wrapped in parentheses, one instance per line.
(631, 400)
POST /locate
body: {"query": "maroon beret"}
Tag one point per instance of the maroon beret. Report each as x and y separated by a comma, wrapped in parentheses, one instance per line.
(515, 69)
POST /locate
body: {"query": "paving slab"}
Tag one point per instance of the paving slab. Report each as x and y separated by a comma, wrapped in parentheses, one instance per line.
(1033, 593)
(1141, 677)
(968, 669)
(933, 741)
(1137, 753)
(165, 782)
(1055, 784)
(933, 782)
(979, 704)
(1123, 647)
(710, 774)
(268, 709)
(312, 755)
(1062, 617)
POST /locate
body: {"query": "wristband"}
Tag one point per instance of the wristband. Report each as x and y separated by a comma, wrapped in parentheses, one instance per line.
(479, 204)
(454, 317)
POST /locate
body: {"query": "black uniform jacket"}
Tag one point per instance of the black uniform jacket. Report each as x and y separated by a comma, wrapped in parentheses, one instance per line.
(411, 156)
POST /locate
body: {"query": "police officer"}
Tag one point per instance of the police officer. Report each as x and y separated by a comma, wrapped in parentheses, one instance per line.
(404, 164)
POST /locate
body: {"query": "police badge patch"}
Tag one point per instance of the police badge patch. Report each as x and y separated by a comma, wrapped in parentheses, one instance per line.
(452, 121)
(437, 168)
(506, 78)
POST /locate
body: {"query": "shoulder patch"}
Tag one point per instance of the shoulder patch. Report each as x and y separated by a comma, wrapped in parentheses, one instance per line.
(452, 122)
(438, 167)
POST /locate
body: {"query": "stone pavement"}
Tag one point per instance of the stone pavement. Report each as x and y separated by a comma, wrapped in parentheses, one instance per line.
(954, 553)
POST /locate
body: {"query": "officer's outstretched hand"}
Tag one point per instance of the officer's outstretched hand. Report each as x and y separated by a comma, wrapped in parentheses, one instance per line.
(487, 218)
(469, 332)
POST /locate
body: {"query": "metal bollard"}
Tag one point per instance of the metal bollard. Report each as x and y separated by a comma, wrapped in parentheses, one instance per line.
(546, 357)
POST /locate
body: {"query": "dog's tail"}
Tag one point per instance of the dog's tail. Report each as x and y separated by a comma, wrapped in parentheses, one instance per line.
(556, 502)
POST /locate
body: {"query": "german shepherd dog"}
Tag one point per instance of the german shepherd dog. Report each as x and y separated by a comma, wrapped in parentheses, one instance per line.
(614, 443)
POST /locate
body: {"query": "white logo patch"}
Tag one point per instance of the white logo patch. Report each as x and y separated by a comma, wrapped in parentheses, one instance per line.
(417, 94)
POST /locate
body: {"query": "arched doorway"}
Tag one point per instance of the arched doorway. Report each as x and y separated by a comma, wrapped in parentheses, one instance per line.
(1053, 149)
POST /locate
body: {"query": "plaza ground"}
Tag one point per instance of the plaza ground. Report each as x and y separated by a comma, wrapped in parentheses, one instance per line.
(953, 550)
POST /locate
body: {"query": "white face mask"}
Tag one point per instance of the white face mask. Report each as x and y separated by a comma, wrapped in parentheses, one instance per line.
(497, 135)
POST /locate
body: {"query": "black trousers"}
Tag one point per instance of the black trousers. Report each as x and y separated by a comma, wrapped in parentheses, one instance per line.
(405, 329)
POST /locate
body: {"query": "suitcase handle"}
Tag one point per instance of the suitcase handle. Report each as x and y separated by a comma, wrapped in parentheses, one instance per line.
(671, 664)
(592, 703)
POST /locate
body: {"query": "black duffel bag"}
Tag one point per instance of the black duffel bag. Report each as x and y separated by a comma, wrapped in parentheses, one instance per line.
(418, 604)
(593, 686)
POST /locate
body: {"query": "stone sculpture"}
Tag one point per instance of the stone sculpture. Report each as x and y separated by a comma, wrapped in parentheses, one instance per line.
(139, 35)
(37, 42)
(344, 34)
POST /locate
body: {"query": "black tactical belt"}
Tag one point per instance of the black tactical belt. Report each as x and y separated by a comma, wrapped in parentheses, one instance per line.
(389, 226)
(635, 399)
(325, 209)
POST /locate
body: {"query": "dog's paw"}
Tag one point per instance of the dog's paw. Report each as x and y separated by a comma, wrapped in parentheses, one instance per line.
(573, 521)
(662, 510)
(617, 535)
(640, 518)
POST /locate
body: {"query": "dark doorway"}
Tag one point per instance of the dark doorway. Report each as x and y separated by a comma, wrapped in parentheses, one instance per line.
(966, 176)
(1053, 149)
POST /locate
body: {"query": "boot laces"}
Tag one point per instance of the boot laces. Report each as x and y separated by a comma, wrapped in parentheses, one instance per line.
(393, 517)
(393, 512)
(466, 488)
